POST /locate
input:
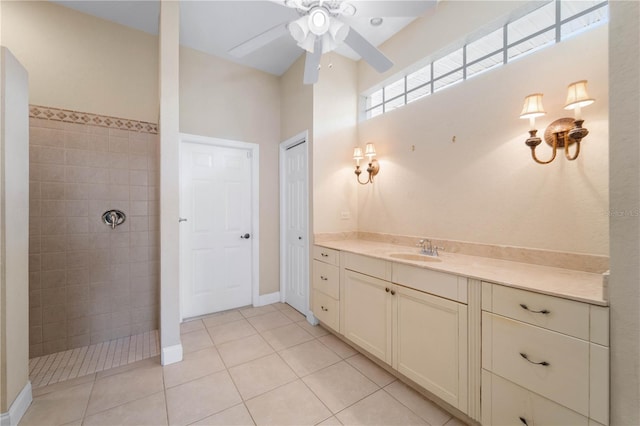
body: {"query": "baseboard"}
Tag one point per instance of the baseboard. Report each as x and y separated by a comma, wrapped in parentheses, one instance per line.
(267, 299)
(171, 354)
(311, 319)
(18, 408)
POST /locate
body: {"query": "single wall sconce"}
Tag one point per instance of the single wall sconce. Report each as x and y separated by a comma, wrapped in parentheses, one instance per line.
(372, 169)
(562, 132)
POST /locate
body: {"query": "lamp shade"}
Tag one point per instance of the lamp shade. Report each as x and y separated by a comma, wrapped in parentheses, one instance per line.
(357, 153)
(335, 36)
(577, 95)
(299, 29)
(532, 106)
(370, 150)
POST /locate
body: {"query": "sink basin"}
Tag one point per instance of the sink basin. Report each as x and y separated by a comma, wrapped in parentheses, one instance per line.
(414, 257)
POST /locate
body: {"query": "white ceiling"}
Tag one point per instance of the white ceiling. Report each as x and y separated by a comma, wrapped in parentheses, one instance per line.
(216, 26)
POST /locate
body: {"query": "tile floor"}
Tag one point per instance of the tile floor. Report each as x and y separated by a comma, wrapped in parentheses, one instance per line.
(78, 362)
(263, 365)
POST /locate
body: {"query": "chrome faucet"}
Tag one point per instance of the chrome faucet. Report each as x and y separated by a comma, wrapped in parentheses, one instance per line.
(427, 248)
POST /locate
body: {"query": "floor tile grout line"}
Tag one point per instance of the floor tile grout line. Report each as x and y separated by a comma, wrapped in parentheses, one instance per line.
(121, 404)
(409, 408)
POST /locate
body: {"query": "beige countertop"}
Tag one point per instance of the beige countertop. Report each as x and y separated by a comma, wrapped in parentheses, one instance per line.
(569, 284)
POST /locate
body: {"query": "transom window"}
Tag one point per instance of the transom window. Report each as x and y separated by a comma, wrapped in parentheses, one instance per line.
(551, 23)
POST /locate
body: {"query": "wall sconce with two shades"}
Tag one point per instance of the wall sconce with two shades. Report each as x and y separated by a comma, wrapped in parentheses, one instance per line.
(562, 132)
(372, 169)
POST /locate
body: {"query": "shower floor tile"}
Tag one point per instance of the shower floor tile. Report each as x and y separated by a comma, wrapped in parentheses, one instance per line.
(57, 367)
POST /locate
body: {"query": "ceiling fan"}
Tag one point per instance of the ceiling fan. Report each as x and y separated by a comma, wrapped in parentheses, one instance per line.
(324, 25)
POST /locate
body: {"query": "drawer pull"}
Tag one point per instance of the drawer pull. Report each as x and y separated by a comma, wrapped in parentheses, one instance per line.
(324, 309)
(526, 357)
(323, 278)
(526, 308)
(324, 255)
(523, 421)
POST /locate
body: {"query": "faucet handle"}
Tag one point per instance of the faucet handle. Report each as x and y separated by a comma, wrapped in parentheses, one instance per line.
(436, 248)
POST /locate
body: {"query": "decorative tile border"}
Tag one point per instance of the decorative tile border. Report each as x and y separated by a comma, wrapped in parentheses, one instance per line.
(68, 116)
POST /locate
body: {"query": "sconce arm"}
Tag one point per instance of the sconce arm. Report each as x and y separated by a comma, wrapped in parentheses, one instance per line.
(372, 170)
(362, 183)
(553, 157)
(533, 143)
(566, 151)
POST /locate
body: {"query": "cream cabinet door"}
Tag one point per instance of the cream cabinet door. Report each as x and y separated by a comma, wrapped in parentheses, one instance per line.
(431, 344)
(368, 313)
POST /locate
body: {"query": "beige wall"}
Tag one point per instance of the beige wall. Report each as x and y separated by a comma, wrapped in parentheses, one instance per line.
(624, 283)
(335, 112)
(485, 187)
(14, 227)
(79, 62)
(296, 102)
(224, 100)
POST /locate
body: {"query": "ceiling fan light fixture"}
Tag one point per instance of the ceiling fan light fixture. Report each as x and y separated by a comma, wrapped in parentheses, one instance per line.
(338, 31)
(308, 43)
(328, 43)
(319, 21)
(299, 29)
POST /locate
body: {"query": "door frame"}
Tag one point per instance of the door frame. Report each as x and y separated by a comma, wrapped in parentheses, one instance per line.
(254, 149)
(302, 137)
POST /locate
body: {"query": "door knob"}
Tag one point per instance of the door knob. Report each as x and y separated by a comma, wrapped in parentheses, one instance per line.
(299, 238)
(245, 236)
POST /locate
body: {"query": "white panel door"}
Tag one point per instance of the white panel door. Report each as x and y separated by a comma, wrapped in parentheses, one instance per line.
(296, 275)
(215, 200)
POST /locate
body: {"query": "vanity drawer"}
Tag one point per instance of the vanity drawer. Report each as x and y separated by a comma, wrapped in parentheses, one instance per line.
(326, 310)
(551, 364)
(326, 278)
(371, 266)
(326, 255)
(505, 403)
(433, 282)
(553, 313)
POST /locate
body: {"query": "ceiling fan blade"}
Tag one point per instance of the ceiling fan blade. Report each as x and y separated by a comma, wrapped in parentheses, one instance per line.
(367, 51)
(259, 41)
(390, 9)
(312, 63)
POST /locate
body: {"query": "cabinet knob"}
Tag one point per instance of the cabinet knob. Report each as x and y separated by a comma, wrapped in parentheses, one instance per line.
(324, 309)
(324, 255)
(393, 292)
(387, 290)
(323, 278)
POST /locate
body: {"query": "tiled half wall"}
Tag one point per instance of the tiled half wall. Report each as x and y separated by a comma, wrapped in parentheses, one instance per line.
(89, 283)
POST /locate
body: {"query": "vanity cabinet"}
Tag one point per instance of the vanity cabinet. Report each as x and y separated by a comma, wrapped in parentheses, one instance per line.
(545, 360)
(368, 313)
(421, 335)
(431, 344)
(326, 286)
(501, 355)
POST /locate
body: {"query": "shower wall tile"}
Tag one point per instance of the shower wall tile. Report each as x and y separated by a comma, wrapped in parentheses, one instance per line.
(89, 283)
